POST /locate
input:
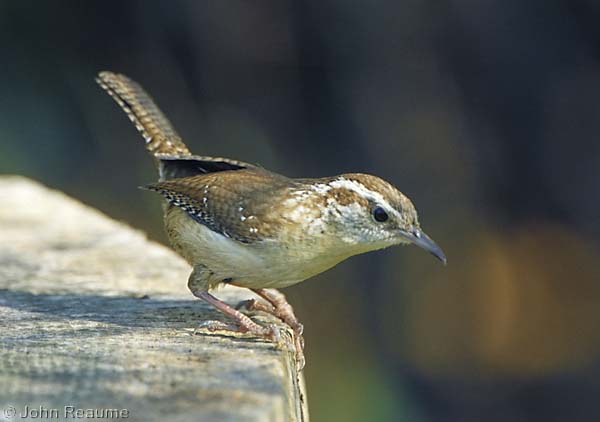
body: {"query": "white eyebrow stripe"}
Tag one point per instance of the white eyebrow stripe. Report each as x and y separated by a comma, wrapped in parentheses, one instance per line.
(362, 190)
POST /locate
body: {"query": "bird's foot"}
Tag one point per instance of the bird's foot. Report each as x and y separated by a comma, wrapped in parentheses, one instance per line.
(269, 332)
(243, 324)
(279, 307)
(213, 326)
(246, 325)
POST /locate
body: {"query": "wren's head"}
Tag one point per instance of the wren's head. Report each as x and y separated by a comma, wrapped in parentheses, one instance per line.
(367, 213)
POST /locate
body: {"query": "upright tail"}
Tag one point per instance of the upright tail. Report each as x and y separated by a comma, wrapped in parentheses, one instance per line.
(156, 129)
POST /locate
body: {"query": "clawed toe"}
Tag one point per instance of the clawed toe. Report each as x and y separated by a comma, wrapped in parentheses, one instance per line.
(213, 326)
(273, 333)
(298, 328)
(270, 332)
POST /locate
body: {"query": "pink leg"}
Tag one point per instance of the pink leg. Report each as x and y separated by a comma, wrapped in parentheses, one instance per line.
(245, 324)
(279, 307)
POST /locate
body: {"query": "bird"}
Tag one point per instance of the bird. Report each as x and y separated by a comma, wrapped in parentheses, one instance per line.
(238, 223)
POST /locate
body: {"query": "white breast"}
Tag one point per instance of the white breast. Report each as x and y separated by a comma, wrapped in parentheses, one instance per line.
(256, 265)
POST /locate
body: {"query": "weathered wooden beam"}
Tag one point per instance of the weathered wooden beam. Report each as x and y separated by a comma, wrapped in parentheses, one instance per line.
(95, 316)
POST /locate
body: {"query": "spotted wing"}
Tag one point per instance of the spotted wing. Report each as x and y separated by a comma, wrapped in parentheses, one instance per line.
(236, 204)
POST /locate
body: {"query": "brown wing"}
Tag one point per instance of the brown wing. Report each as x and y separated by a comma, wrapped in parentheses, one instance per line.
(232, 203)
(156, 129)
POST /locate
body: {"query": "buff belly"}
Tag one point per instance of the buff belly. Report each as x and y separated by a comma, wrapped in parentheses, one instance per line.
(257, 265)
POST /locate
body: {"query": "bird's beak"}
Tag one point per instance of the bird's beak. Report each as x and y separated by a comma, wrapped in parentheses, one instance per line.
(420, 239)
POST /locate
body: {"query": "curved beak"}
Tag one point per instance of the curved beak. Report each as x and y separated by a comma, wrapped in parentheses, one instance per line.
(420, 239)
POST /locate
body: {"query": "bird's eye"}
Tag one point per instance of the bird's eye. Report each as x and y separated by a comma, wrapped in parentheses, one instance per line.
(380, 215)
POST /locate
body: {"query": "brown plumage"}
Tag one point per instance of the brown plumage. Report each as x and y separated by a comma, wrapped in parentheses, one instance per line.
(238, 223)
(236, 204)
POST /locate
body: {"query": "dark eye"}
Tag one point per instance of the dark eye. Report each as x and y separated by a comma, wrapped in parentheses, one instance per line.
(380, 215)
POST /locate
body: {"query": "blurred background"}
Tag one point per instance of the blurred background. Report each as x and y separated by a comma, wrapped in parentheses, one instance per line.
(485, 113)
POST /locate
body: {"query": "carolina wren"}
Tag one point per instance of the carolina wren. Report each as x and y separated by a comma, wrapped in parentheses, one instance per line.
(238, 223)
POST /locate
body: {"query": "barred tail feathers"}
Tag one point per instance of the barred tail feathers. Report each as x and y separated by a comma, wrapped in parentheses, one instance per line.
(160, 136)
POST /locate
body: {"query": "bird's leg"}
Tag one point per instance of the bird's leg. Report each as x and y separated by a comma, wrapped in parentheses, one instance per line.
(279, 307)
(198, 285)
(245, 324)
